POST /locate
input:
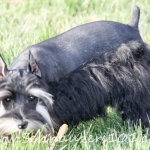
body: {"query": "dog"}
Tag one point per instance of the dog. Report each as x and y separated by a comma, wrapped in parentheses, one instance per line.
(119, 79)
(76, 81)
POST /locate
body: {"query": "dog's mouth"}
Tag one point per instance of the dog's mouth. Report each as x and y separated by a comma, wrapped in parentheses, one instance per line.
(9, 126)
(28, 118)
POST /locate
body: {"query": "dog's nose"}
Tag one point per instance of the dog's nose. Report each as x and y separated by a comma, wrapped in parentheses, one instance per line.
(23, 125)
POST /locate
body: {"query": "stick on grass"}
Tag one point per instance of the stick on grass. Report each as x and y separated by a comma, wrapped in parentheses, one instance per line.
(62, 130)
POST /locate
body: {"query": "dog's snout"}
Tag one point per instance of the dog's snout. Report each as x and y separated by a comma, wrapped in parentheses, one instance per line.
(23, 125)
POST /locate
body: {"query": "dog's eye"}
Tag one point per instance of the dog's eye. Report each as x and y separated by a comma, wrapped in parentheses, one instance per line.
(8, 99)
(32, 98)
(139, 52)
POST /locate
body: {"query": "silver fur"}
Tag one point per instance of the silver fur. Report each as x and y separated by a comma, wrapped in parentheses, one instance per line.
(10, 120)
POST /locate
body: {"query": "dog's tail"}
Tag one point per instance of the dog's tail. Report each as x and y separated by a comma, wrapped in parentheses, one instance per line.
(134, 22)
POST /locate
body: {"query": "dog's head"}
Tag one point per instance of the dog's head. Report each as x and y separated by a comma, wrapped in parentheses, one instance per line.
(24, 100)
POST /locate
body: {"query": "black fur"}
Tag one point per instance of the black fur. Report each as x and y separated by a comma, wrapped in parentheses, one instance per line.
(120, 79)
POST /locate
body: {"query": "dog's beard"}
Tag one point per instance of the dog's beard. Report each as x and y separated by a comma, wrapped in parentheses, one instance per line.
(37, 117)
(10, 125)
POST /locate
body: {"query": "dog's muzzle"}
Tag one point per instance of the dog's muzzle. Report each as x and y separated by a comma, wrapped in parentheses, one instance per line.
(27, 118)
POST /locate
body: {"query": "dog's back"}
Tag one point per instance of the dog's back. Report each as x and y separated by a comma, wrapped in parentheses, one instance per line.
(58, 56)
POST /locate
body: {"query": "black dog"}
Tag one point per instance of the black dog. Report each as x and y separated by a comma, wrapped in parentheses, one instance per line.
(116, 77)
(120, 79)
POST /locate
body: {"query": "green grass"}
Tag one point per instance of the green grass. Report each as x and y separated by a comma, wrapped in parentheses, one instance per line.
(32, 21)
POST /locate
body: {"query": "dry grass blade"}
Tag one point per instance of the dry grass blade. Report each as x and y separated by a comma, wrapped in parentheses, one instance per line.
(62, 130)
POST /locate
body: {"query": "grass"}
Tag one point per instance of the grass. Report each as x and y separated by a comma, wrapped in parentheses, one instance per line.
(31, 21)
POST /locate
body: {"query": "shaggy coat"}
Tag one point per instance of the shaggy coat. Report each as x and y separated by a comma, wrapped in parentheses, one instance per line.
(120, 79)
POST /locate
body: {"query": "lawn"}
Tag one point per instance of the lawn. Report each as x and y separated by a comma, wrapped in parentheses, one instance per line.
(26, 22)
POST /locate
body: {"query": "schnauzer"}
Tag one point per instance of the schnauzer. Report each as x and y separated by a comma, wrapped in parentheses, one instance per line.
(93, 66)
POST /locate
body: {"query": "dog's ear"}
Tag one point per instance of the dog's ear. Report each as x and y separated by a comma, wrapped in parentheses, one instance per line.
(3, 67)
(32, 66)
